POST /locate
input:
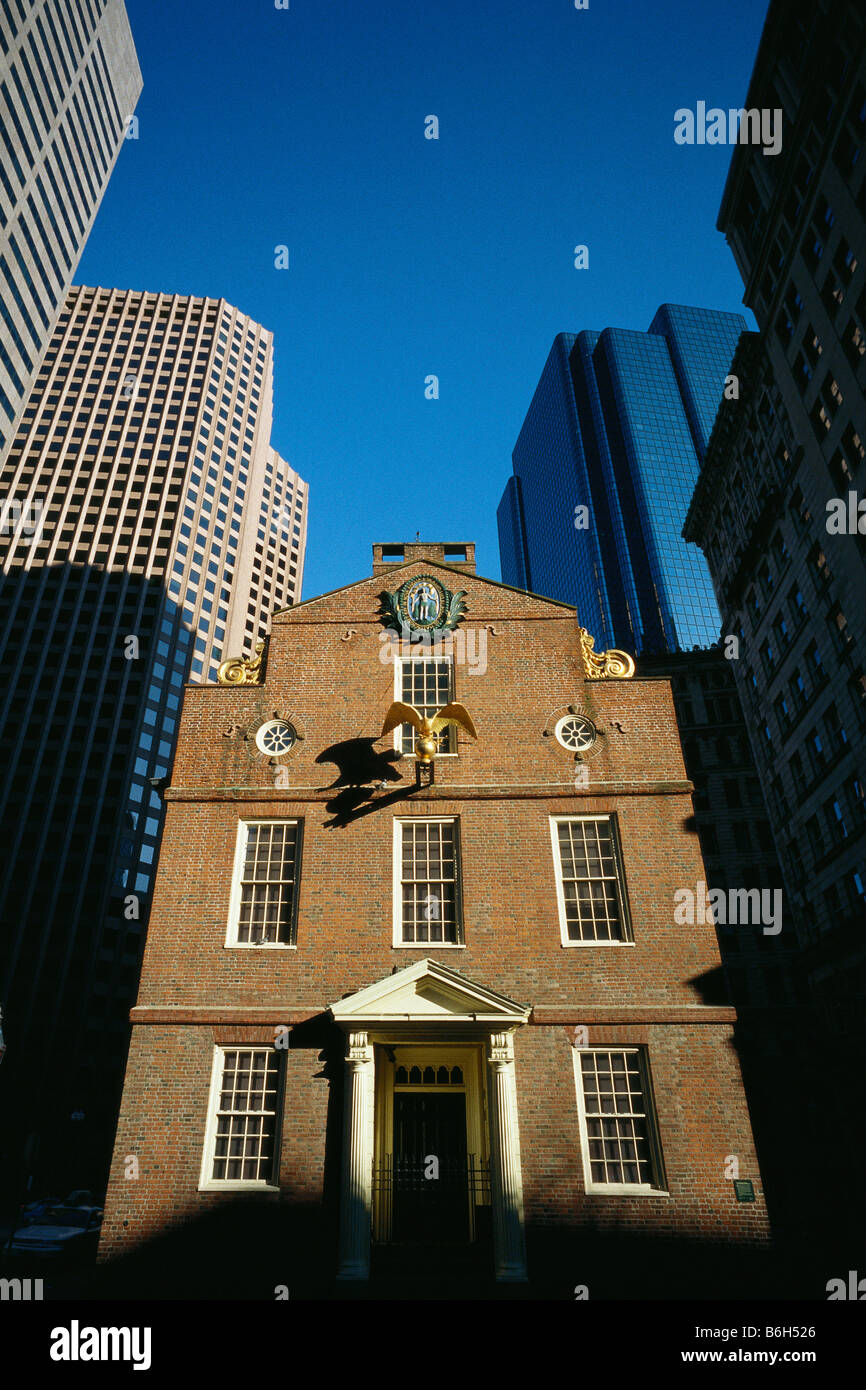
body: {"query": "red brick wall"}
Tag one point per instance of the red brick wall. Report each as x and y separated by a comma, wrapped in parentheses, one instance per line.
(701, 1122)
(503, 788)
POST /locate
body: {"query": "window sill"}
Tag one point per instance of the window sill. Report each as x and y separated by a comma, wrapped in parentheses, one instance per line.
(262, 946)
(624, 1190)
(408, 755)
(236, 1185)
(428, 945)
(566, 945)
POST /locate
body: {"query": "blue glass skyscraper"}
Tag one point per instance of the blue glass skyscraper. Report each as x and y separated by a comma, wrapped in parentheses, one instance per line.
(604, 470)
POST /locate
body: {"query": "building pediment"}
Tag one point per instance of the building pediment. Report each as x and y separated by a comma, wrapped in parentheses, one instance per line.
(362, 599)
(428, 992)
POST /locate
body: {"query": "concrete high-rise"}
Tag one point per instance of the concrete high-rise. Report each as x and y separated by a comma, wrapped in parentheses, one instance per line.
(776, 515)
(604, 469)
(69, 81)
(792, 586)
(155, 531)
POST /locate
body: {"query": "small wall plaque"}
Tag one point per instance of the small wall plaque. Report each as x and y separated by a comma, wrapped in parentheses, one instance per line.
(745, 1189)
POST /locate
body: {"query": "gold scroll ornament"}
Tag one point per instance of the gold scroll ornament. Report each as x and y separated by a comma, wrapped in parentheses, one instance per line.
(237, 671)
(598, 665)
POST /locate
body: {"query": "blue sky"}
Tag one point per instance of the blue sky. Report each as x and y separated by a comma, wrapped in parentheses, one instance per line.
(304, 127)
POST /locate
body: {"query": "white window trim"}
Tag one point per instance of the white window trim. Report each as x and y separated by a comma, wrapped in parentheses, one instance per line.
(630, 1189)
(565, 940)
(397, 895)
(206, 1182)
(398, 695)
(231, 941)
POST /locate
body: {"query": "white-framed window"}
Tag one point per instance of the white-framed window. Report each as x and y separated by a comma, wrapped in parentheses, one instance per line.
(241, 1140)
(590, 883)
(427, 894)
(428, 685)
(618, 1132)
(264, 896)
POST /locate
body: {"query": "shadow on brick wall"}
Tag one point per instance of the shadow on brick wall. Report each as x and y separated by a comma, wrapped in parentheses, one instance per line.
(247, 1250)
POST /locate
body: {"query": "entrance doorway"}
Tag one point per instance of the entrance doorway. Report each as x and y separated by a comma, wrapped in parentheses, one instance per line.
(431, 1184)
(430, 1173)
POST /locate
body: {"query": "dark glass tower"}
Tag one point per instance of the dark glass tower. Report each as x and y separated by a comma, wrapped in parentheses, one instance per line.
(618, 426)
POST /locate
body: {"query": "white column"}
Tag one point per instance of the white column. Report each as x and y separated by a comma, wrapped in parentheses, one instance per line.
(509, 1244)
(357, 1184)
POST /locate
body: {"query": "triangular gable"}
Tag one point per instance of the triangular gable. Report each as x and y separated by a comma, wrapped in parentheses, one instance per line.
(385, 581)
(427, 992)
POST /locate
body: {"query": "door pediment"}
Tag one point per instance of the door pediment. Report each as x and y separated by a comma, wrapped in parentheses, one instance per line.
(428, 992)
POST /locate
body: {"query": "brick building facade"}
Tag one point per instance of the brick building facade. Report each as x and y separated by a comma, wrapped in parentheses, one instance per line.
(392, 1022)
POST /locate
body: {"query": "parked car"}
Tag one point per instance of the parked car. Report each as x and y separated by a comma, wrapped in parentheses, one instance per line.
(61, 1233)
(34, 1211)
(80, 1197)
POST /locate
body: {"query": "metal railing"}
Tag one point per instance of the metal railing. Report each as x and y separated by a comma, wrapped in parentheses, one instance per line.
(429, 1199)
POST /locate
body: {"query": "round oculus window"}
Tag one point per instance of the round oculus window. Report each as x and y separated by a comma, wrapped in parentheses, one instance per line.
(275, 737)
(576, 732)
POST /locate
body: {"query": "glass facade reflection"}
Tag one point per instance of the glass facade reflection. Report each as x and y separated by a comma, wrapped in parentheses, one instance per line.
(604, 470)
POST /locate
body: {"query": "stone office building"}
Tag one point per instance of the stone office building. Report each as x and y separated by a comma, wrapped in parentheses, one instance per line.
(788, 575)
(784, 460)
(400, 1016)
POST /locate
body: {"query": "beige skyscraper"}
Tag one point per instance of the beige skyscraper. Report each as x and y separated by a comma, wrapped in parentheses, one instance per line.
(69, 81)
(155, 531)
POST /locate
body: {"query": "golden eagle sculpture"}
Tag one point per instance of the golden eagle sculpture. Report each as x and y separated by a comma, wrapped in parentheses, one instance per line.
(427, 726)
